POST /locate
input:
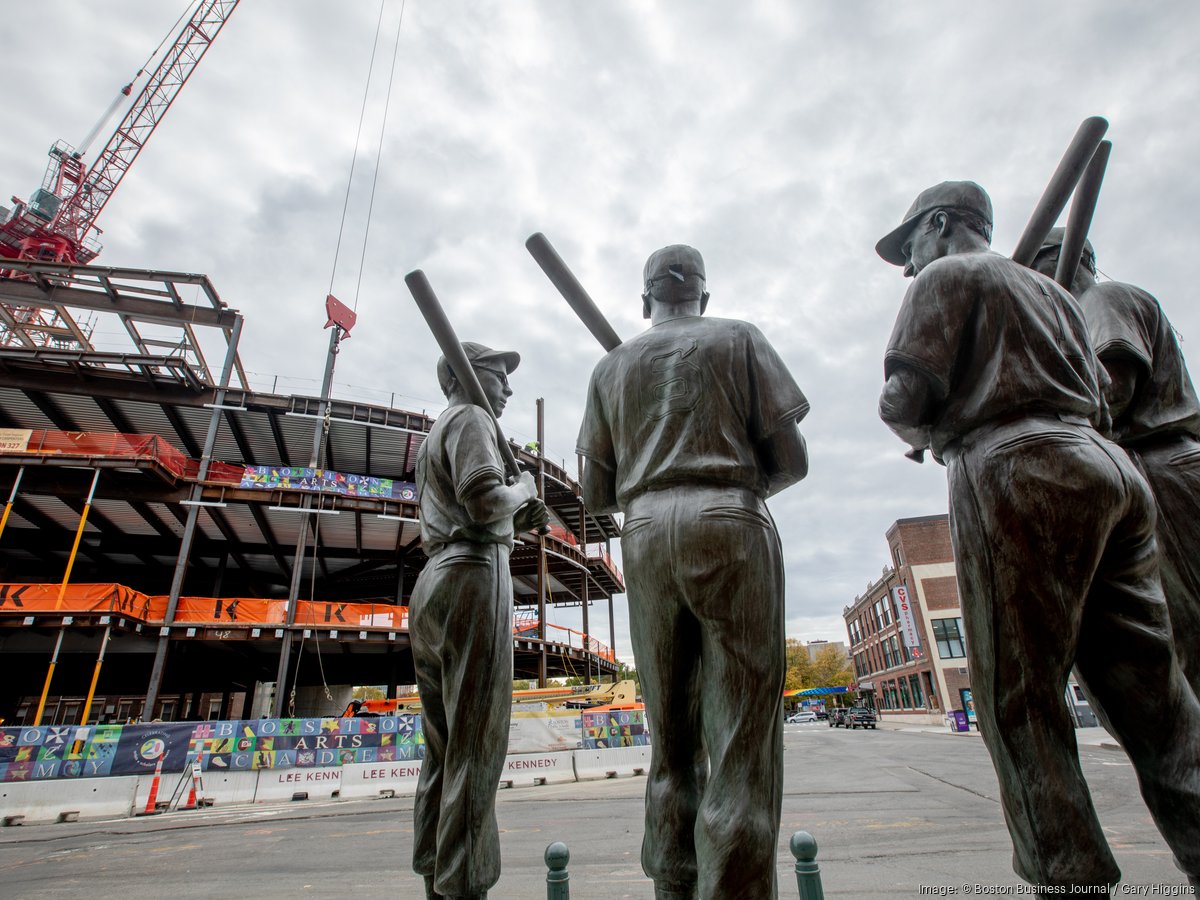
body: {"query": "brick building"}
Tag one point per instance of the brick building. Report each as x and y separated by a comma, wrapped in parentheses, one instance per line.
(906, 637)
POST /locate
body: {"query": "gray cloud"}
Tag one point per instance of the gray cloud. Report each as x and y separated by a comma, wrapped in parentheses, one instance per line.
(782, 139)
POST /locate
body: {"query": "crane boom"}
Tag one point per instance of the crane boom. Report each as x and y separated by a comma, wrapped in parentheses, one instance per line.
(59, 222)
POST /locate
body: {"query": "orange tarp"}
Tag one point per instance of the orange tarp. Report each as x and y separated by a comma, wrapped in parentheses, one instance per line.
(352, 615)
(238, 611)
(222, 610)
(83, 443)
(221, 472)
(41, 598)
(114, 598)
(253, 611)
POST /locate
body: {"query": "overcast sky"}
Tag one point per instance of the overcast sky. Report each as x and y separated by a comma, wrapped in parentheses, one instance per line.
(781, 138)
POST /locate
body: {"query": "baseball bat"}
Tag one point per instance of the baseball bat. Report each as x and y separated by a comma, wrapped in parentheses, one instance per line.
(1074, 163)
(1083, 207)
(447, 340)
(1054, 199)
(573, 292)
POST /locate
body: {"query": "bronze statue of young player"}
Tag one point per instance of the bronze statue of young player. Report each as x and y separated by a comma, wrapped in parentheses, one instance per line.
(990, 366)
(1156, 418)
(460, 624)
(689, 427)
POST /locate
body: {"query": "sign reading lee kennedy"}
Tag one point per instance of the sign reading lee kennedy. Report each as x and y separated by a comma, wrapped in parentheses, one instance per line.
(908, 625)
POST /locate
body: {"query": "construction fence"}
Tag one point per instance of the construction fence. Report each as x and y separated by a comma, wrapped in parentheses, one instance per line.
(118, 600)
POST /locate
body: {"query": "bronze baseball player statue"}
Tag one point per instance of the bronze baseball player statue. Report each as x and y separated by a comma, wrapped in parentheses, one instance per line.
(460, 624)
(1156, 418)
(990, 366)
(689, 427)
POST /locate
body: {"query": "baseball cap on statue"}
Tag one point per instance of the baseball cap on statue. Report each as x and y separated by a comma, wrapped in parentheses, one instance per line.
(676, 261)
(479, 355)
(1054, 241)
(964, 195)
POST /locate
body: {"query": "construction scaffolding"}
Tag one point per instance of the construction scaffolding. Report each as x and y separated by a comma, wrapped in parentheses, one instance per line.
(111, 457)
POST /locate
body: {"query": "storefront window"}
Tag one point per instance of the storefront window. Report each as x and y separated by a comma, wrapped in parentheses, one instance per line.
(915, 683)
(930, 692)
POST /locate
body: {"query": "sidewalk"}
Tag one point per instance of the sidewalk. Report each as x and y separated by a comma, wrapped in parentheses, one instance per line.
(1084, 737)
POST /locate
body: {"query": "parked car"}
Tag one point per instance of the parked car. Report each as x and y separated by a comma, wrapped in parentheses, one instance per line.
(822, 715)
(837, 717)
(801, 718)
(860, 717)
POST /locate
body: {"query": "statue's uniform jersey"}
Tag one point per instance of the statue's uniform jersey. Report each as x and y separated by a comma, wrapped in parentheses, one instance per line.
(458, 459)
(1053, 533)
(1160, 429)
(460, 625)
(1126, 321)
(999, 340)
(686, 402)
(674, 417)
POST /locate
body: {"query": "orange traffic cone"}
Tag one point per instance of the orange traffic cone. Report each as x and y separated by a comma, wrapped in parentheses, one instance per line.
(191, 800)
(152, 800)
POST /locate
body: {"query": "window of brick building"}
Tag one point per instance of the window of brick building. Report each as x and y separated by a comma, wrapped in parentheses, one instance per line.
(949, 637)
(914, 682)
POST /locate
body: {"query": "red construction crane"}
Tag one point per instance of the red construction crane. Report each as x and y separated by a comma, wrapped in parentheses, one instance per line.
(58, 223)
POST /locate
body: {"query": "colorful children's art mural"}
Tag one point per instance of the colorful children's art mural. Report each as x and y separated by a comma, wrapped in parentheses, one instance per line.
(33, 753)
(605, 729)
(306, 478)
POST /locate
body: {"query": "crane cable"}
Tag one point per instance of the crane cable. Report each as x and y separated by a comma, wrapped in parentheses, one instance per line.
(170, 31)
(379, 153)
(127, 91)
(312, 596)
(358, 138)
(333, 275)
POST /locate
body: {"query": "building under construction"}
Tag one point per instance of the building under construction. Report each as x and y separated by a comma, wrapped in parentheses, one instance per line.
(167, 550)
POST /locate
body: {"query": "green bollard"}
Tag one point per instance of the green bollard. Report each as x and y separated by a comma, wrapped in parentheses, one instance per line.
(557, 880)
(808, 873)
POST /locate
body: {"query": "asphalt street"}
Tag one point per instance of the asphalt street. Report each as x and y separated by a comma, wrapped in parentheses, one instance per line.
(897, 812)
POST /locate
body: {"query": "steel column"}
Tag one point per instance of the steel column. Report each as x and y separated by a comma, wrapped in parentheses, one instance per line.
(583, 595)
(189, 528)
(612, 625)
(62, 590)
(12, 498)
(87, 705)
(541, 573)
(285, 651)
(37, 718)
